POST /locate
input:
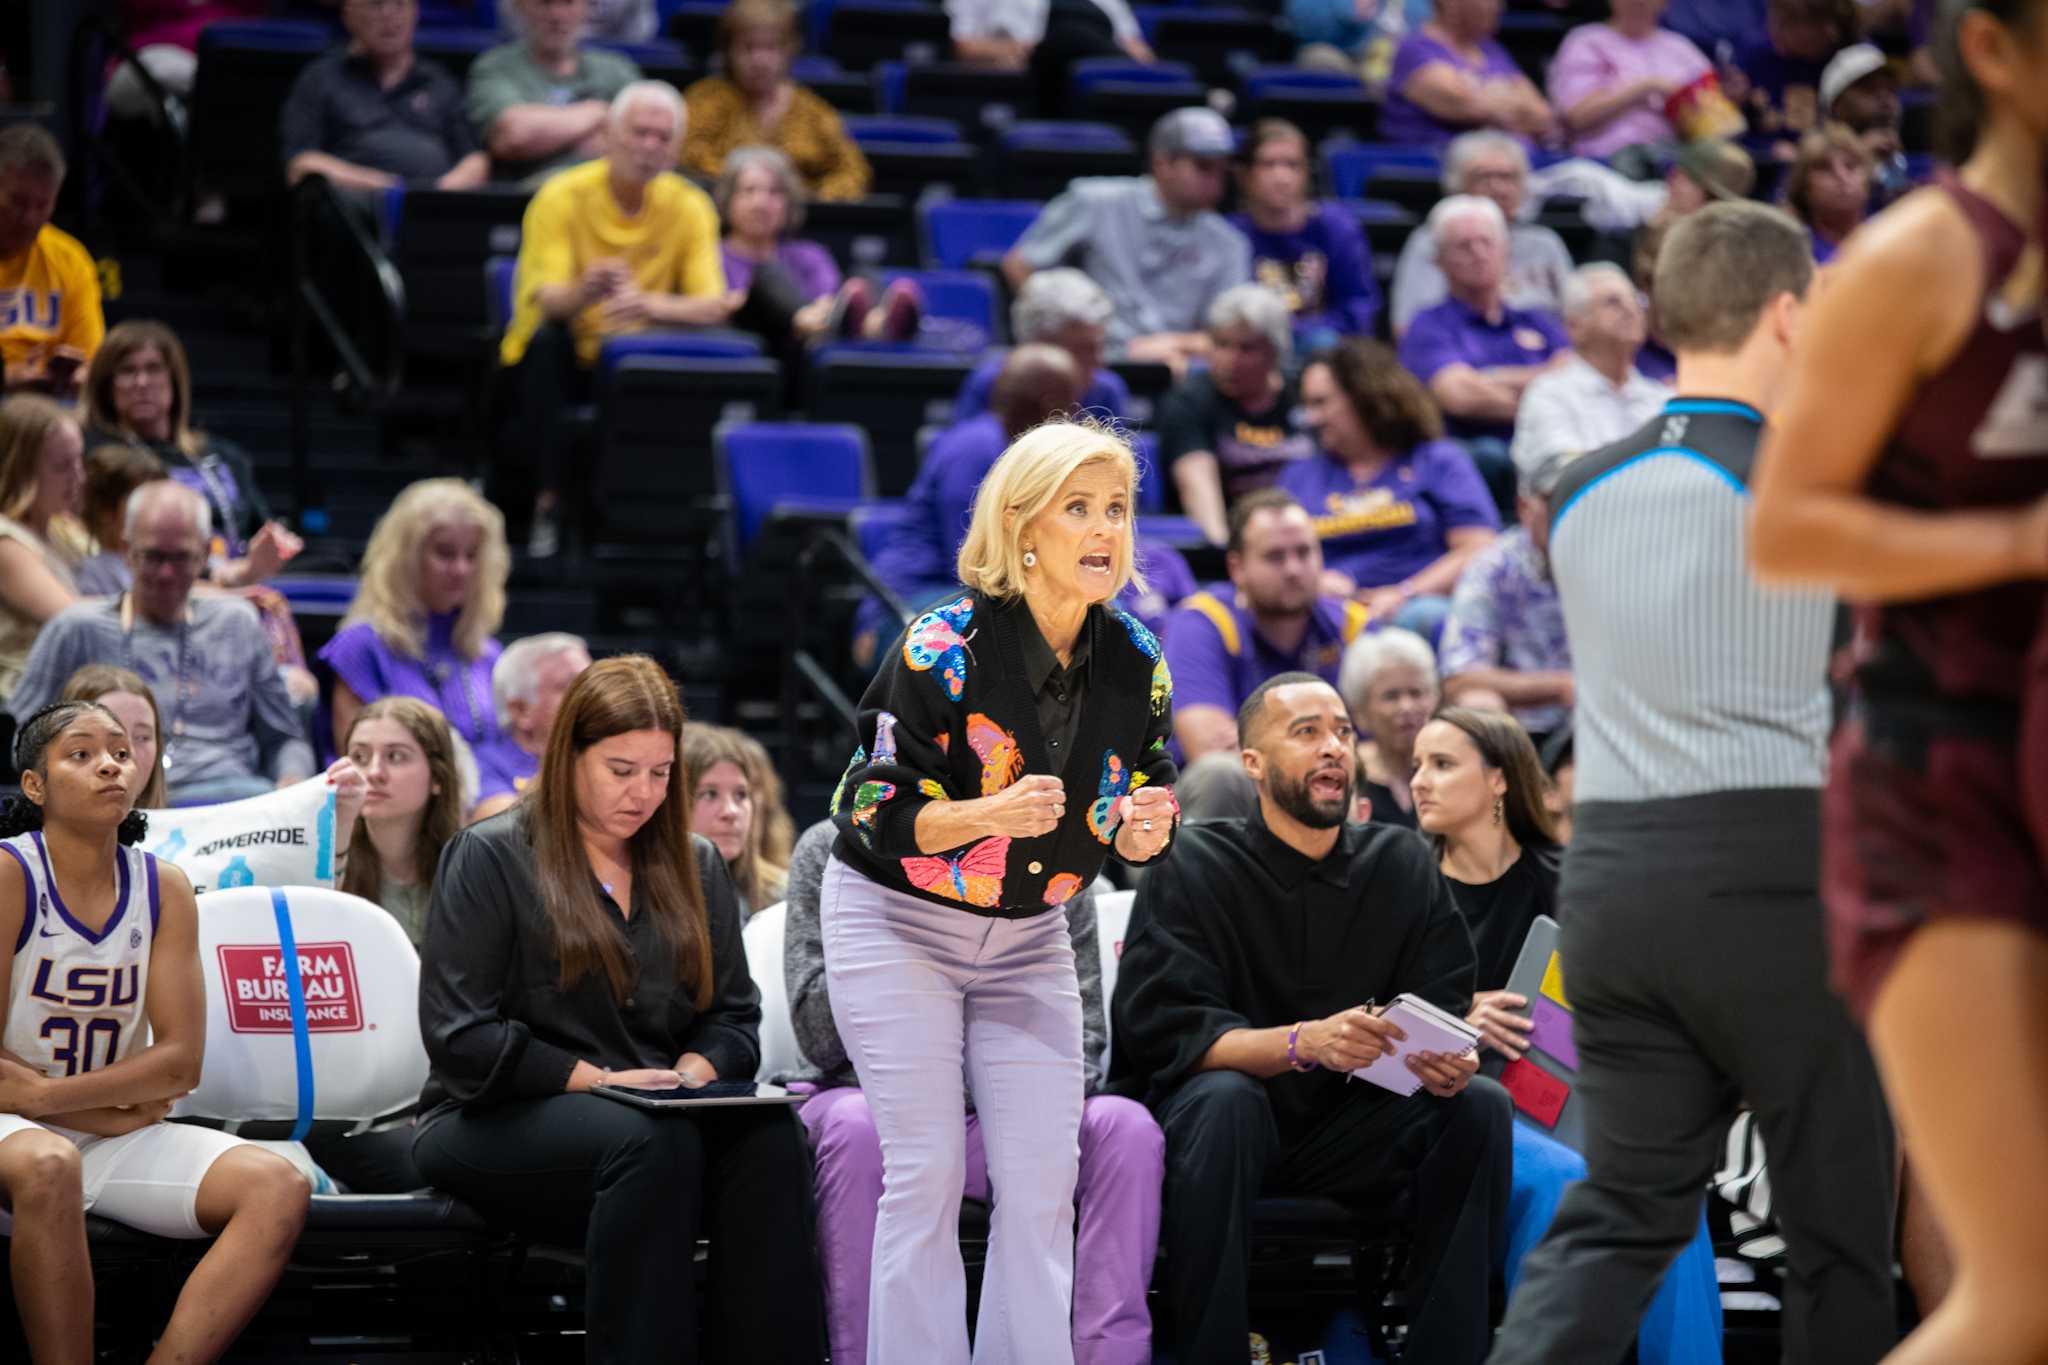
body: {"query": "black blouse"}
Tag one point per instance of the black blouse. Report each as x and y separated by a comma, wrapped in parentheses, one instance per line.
(498, 1026)
(1498, 913)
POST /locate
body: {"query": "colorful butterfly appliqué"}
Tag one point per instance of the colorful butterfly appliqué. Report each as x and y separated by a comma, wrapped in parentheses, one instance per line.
(938, 639)
(1002, 762)
(1145, 640)
(933, 789)
(885, 737)
(867, 803)
(853, 765)
(1102, 813)
(975, 878)
(1061, 889)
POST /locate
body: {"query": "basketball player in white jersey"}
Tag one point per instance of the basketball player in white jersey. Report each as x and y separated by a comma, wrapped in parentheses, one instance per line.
(106, 1024)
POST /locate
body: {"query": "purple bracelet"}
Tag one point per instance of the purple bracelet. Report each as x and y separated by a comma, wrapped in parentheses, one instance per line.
(1294, 1036)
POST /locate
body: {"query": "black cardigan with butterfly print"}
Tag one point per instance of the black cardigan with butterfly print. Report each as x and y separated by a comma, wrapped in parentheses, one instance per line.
(951, 717)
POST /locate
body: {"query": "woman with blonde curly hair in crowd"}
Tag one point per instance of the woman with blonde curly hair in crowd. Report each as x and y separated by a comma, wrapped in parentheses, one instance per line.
(428, 603)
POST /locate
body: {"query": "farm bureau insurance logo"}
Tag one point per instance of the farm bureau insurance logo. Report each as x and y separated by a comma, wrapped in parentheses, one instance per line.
(259, 999)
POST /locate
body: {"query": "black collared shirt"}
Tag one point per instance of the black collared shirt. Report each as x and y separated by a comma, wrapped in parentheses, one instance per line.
(498, 1025)
(416, 130)
(1238, 930)
(1057, 691)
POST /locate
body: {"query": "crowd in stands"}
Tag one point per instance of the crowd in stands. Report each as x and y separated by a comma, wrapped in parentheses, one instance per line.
(1368, 447)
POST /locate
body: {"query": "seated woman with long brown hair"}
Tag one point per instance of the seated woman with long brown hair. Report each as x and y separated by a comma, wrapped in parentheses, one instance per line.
(585, 938)
(412, 808)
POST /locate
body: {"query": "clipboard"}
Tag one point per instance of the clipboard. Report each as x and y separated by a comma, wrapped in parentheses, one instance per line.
(1544, 1081)
(715, 1095)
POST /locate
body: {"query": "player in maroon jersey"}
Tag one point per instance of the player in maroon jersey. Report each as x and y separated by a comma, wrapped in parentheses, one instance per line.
(1909, 470)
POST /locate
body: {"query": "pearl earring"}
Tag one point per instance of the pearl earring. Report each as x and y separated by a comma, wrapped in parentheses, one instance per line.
(1030, 559)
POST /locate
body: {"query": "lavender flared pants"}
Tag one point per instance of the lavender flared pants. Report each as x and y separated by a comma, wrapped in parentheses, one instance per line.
(1116, 1208)
(932, 1001)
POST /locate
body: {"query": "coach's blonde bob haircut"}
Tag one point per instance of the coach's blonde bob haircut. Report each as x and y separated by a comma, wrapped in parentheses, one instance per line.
(1023, 482)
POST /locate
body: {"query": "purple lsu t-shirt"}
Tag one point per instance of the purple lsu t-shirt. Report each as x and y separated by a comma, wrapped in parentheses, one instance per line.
(1452, 333)
(1393, 525)
(1402, 119)
(1218, 658)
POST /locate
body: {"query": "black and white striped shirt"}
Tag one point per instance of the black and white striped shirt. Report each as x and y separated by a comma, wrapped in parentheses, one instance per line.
(1691, 677)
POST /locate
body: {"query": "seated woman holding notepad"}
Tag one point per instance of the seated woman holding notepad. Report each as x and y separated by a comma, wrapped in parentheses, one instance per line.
(1478, 790)
(585, 938)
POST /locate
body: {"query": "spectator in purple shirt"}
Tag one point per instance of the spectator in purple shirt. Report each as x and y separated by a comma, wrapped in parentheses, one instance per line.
(1828, 187)
(428, 603)
(1610, 81)
(1271, 618)
(1474, 351)
(1399, 511)
(760, 199)
(1451, 75)
(1061, 307)
(1230, 429)
(917, 560)
(1776, 81)
(1313, 255)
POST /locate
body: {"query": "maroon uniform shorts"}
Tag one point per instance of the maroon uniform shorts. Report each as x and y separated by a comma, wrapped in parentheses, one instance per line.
(1921, 822)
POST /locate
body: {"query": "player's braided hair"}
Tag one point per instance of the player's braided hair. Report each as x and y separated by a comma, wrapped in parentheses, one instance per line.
(18, 814)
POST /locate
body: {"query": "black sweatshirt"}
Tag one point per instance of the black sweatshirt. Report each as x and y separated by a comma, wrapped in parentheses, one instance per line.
(953, 716)
(1239, 931)
(496, 1023)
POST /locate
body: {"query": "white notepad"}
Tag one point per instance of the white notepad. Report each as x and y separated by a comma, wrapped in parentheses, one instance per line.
(1429, 1029)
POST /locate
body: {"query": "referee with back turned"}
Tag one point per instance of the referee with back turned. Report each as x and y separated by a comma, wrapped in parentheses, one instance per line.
(1693, 953)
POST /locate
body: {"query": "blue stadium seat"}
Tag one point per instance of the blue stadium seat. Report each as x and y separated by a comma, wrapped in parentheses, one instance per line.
(455, 47)
(910, 154)
(850, 92)
(866, 128)
(1133, 95)
(1318, 102)
(762, 464)
(481, 14)
(659, 60)
(1348, 164)
(1035, 160)
(499, 272)
(956, 233)
(716, 343)
(983, 101)
(1090, 72)
(967, 296)
(873, 523)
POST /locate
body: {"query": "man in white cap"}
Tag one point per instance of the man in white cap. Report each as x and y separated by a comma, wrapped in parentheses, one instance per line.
(1858, 89)
(1154, 242)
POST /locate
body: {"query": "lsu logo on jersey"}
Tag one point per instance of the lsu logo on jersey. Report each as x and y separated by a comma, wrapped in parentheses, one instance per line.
(35, 309)
(86, 987)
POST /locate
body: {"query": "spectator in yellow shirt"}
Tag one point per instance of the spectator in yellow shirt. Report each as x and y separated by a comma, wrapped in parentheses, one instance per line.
(756, 104)
(620, 244)
(50, 319)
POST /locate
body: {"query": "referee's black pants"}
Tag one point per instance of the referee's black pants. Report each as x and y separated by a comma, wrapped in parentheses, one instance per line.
(1697, 974)
(1450, 1158)
(634, 1188)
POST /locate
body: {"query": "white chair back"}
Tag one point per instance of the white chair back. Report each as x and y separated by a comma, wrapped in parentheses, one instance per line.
(329, 1030)
(763, 937)
(1112, 918)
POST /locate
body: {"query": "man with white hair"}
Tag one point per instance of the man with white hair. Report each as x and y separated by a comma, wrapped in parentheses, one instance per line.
(616, 245)
(1597, 394)
(528, 683)
(542, 103)
(1061, 307)
(1474, 351)
(230, 729)
(1495, 166)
